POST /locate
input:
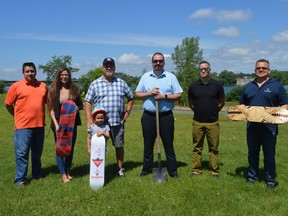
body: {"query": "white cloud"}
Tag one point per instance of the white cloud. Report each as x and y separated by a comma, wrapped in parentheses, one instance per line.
(281, 37)
(118, 39)
(234, 15)
(238, 51)
(228, 32)
(10, 70)
(131, 59)
(242, 57)
(11, 73)
(202, 13)
(222, 15)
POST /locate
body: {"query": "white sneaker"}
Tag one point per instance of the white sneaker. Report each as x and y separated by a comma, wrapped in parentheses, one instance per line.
(120, 173)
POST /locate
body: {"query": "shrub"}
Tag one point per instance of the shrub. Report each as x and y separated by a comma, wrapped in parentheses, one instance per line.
(234, 94)
(2, 86)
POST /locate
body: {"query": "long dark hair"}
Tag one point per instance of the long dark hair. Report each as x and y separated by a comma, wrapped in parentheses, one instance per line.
(57, 85)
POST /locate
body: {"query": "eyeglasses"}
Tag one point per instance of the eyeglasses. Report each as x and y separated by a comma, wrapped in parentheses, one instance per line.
(156, 61)
(205, 69)
(262, 68)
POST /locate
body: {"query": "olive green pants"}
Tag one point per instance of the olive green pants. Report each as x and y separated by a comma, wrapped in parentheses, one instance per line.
(211, 131)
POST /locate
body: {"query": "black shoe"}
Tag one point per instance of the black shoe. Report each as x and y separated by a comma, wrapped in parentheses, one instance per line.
(251, 181)
(142, 174)
(271, 185)
(174, 175)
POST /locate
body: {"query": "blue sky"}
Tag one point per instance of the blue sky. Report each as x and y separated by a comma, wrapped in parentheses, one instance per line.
(233, 34)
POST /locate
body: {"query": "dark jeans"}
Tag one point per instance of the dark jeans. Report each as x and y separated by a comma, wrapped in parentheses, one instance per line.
(64, 164)
(166, 123)
(258, 134)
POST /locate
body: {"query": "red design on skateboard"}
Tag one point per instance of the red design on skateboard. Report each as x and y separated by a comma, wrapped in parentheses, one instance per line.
(97, 162)
(66, 128)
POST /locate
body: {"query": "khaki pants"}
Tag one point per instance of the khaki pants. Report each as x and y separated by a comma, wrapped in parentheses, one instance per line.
(211, 130)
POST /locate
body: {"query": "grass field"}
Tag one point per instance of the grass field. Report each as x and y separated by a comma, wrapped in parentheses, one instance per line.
(132, 195)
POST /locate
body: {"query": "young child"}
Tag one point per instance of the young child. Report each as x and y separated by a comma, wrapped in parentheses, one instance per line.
(100, 127)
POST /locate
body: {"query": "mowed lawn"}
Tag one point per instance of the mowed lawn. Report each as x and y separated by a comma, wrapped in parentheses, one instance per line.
(132, 195)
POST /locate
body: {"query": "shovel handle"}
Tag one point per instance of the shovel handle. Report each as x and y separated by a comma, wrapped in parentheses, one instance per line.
(157, 127)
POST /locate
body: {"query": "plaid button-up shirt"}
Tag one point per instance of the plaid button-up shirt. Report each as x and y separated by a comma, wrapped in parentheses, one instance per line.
(111, 96)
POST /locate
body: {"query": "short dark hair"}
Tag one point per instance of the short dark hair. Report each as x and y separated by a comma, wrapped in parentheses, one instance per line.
(262, 60)
(157, 53)
(204, 62)
(28, 64)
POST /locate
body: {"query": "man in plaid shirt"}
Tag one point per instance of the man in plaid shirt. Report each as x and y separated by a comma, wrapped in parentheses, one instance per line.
(108, 92)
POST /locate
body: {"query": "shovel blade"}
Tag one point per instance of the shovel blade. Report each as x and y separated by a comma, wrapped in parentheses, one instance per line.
(159, 175)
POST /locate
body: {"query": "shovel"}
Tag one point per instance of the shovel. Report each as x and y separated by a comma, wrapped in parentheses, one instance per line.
(159, 174)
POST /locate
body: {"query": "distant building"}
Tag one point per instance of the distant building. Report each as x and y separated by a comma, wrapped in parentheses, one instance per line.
(243, 81)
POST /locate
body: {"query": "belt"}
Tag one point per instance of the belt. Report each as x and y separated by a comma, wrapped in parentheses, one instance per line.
(161, 114)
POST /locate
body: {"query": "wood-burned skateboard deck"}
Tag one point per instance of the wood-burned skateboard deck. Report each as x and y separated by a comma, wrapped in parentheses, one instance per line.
(66, 128)
(274, 115)
(97, 162)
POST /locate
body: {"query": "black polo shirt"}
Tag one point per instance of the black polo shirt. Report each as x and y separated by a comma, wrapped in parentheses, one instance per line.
(206, 100)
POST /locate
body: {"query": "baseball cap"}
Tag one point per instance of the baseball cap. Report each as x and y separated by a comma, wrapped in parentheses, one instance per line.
(98, 110)
(108, 60)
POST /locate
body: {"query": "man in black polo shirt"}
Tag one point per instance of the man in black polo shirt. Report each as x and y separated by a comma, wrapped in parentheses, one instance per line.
(206, 98)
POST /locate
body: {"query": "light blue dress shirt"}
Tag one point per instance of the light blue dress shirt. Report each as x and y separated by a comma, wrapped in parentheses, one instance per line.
(167, 84)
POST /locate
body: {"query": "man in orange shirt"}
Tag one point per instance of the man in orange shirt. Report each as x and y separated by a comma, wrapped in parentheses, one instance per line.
(25, 101)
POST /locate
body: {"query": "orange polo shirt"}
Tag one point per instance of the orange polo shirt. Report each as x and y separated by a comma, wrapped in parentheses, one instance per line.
(29, 103)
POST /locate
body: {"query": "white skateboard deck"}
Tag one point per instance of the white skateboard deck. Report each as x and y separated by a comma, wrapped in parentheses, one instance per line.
(97, 162)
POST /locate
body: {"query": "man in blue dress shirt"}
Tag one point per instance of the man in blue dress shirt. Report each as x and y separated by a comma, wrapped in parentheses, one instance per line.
(164, 87)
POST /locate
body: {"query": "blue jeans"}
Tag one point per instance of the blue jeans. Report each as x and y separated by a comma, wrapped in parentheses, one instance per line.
(258, 134)
(24, 140)
(64, 164)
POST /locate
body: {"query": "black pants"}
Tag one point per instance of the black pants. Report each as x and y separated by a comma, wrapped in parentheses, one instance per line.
(166, 123)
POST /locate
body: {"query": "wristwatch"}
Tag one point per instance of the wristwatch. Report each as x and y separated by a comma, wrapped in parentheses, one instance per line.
(128, 111)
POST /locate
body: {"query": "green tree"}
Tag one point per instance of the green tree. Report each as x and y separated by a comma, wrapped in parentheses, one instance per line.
(186, 58)
(2, 86)
(214, 75)
(281, 76)
(227, 78)
(130, 80)
(86, 79)
(242, 75)
(53, 65)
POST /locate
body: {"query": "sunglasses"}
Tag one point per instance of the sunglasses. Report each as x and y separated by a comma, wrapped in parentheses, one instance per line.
(205, 69)
(262, 68)
(107, 66)
(156, 61)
